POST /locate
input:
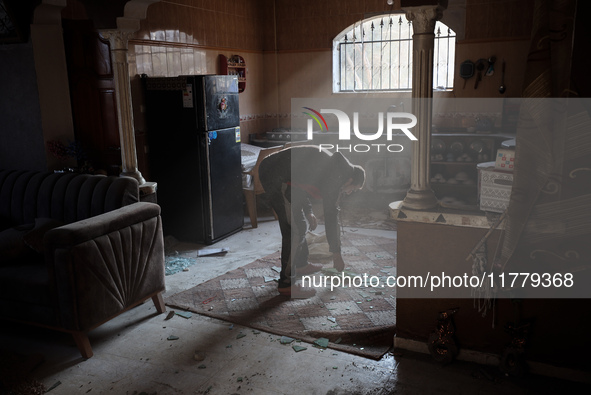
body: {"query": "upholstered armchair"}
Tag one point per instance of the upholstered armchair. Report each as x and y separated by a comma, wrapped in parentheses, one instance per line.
(76, 250)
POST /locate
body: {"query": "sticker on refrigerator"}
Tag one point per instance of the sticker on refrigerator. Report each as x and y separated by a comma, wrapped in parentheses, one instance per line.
(188, 96)
(213, 135)
(223, 107)
(237, 131)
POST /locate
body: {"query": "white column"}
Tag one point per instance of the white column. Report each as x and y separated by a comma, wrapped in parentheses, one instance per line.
(420, 195)
(119, 46)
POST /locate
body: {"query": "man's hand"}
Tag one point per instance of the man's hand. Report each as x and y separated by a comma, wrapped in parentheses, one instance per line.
(312, 221)
(338, 261)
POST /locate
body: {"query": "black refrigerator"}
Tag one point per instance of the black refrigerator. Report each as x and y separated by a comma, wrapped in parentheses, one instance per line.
(193, 143)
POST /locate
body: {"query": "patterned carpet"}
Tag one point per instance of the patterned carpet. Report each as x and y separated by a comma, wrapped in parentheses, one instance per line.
(359, 320)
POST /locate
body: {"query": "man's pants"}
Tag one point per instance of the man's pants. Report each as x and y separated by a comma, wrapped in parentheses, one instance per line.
(292, 223)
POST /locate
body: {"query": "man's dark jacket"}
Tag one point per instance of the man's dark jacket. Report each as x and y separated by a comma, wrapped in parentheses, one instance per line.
(319, 173)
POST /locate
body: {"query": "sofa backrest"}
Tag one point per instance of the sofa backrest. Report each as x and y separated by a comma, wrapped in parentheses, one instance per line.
(66, 197)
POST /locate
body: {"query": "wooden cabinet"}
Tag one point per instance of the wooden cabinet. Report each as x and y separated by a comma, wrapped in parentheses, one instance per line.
(234, 65)
(453, 172)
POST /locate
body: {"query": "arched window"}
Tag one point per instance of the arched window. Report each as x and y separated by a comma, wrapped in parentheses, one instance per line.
(376, 55)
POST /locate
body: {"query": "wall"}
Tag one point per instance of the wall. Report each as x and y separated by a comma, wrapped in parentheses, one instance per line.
(303, 51)
(186, 37)
(20, 115)
(501, 29)
(169, 61)
(306, 29)
(287, 46)
(311, 25)
(513, 51)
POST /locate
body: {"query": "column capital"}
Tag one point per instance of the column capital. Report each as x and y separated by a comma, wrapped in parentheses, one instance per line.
(423, 18)
(119, 42)
(119, 39)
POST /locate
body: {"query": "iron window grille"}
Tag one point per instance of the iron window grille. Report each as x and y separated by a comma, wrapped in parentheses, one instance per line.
(376, 55)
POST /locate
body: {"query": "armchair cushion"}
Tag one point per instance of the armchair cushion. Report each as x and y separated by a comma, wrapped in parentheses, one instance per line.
(13, 249)
(34, 238)
(23, 244)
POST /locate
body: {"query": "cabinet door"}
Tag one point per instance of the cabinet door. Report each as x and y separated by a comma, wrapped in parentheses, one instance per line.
(92, 94)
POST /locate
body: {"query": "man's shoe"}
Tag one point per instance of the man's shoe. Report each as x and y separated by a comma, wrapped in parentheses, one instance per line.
(297, 292)
(339, 268)
(308, 269)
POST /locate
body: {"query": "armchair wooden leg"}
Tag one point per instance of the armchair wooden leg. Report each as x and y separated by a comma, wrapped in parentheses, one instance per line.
(159, 302)
(83, 344)
(251, 205)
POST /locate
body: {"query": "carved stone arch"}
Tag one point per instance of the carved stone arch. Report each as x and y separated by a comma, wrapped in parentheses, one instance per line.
(455, 17)
(133, 13)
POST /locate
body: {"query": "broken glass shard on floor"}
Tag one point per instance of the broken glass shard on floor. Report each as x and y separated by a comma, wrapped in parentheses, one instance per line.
(321, 342)
(174, 264)
(286, 340)
(184, 314)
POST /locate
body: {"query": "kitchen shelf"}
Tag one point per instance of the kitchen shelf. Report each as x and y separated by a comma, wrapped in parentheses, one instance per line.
(478, 147)
(234, 65)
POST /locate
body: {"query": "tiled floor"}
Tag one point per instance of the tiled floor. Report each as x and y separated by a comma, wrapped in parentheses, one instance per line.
(132, 354)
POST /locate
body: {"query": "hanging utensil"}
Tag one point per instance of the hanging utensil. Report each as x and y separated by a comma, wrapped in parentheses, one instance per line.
(479, 66)
(491, 66)
(502, 88)
(466, 70)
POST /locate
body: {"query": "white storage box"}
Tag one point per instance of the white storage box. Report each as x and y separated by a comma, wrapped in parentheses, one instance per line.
(505, 159)
(494, 187)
